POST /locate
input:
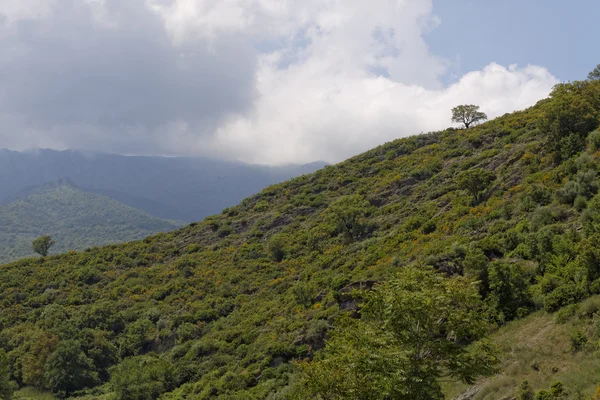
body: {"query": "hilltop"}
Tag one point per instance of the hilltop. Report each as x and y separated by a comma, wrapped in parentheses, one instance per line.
(73, 217)
(225, 308)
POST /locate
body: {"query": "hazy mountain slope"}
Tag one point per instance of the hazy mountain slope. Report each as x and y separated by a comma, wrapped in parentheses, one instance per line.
(74, 218)
(168, 187)
(221, 308)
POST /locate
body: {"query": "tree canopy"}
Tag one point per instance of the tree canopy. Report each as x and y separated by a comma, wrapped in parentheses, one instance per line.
(42, 245)
(594, 74)
(468, 115)
(411, 333)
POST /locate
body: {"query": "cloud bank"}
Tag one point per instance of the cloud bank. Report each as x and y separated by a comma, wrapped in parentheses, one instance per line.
(264, 81)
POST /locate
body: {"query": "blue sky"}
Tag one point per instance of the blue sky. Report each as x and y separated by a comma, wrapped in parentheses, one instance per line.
(557, 34)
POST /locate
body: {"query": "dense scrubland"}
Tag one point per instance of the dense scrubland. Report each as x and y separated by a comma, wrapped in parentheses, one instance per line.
(459, 250)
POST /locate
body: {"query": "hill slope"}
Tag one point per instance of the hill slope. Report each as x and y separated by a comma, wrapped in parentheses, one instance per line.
(180, 188)
(222, 308)
(74, 218)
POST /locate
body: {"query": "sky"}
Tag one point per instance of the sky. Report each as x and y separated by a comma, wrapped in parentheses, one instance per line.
(274, 81)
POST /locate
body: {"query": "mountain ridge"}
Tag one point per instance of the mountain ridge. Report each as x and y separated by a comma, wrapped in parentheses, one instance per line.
(184, 188)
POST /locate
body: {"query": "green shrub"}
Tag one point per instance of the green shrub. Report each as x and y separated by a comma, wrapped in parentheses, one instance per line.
(580, 203)
(578, 340)
(525, 391)
(142, 378)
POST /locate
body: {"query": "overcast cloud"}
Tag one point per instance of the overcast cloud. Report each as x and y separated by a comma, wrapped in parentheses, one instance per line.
(266, 81)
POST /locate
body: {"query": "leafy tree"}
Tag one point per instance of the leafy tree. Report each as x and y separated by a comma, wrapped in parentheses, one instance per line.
(475, 181)
(572, 112)
(412, 332)
(7, 387)
(468, 115)
(42, 245)
(595, 74)
(142, 378)
(508, 288)
(68, 369)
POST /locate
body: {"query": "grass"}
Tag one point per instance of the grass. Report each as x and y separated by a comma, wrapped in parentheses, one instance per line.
(30, 393)
(539, 349)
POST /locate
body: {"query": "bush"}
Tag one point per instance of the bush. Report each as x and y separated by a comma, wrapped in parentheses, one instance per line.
(594, 140)
(525, 391)
(562, 296)
(578, 340)
(277, 246)
(142, 378)
(580, 203)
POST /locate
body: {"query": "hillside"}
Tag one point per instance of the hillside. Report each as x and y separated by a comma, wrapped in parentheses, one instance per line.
(74, 218)
(507, 213)
(179, 188)
(540, 349)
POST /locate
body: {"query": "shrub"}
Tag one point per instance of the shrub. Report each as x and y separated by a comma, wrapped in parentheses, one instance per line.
(580, 203)
(277, 246)
(475, 181)
(578, 340)
(142, 378)
(525, 391)
(594, 140)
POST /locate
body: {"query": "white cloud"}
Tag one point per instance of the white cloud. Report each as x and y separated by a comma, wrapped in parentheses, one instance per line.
(268, 81)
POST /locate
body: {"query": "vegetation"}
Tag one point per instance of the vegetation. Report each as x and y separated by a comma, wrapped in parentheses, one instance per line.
(409, 337)
(537, 357)
(261, 300)
(467, 115)
(595, 74)
(42, 245)
(74, 218)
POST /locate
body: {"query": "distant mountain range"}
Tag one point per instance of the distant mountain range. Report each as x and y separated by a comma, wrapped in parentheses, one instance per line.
(74, 218)
(180, 188)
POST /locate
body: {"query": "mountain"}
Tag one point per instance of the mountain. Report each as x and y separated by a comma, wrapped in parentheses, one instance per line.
(180, 188)
(74, 218)
(437, 242)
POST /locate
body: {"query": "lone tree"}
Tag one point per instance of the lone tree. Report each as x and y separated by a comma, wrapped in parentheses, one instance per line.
(468, 115)
(595, 74)
(42, 245)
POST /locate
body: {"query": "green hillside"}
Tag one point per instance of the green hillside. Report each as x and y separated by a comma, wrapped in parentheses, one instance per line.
(250, 303)
(74, 218)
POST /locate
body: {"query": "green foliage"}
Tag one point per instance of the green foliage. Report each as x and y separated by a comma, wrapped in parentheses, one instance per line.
(7, 387)
(467, 115)
(349, 214)
(571, 114)
(412, 332)
(508, 286)
(277, 246)
(142, 378)
(68, 369)
(42, 245)
(594, 74)
(578, 340)
(475, 181)
(525, 391)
